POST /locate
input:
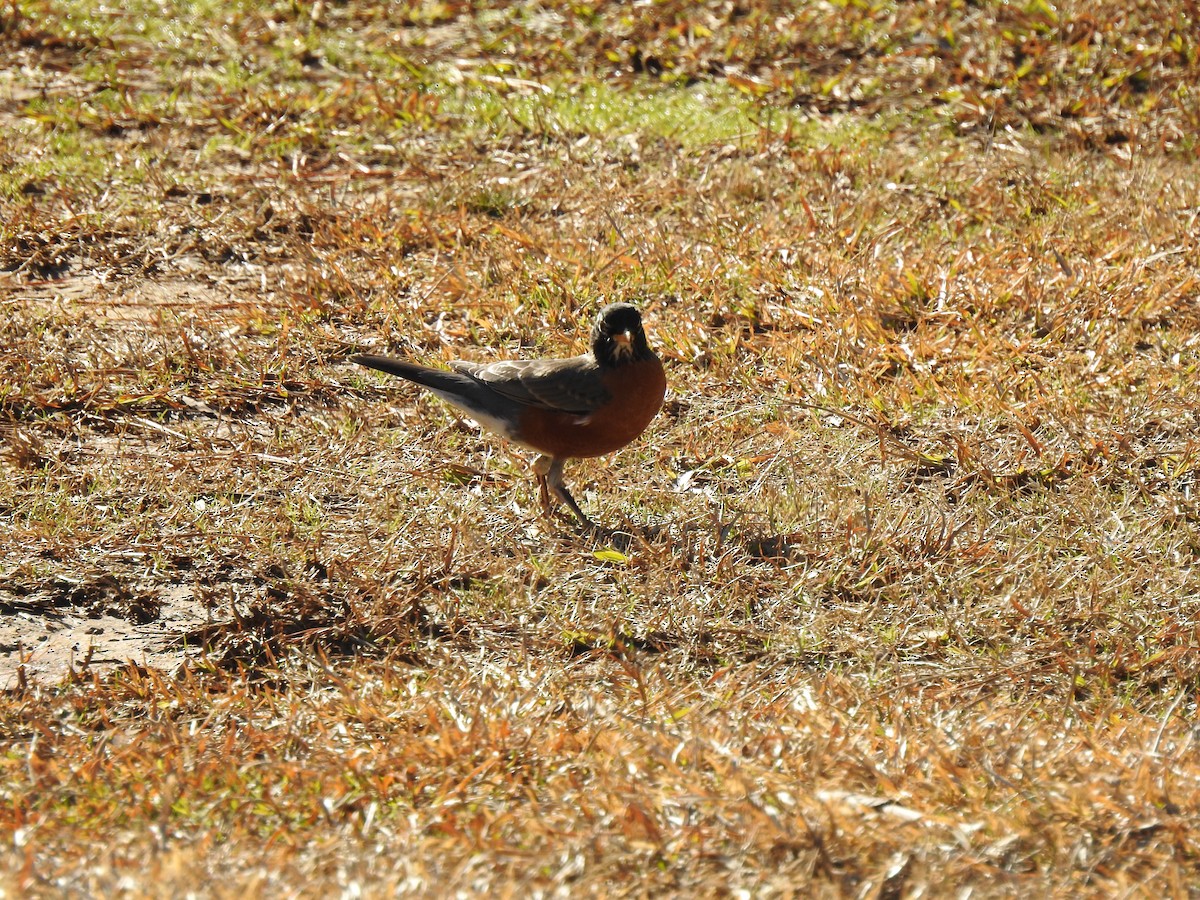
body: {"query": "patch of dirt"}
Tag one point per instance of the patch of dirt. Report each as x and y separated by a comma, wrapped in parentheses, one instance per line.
(91, 299)
(57, 625)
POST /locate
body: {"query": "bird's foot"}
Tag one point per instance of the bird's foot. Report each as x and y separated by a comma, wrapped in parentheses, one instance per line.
(550, 480)
(565, 496)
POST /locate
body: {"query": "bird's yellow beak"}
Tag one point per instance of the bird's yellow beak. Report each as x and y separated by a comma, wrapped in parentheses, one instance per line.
(623, 338)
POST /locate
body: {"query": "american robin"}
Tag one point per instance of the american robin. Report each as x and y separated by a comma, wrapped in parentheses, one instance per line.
(587, 405)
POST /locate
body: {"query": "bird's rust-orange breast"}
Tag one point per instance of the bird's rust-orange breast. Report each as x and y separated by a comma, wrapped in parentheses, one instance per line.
(637, 390)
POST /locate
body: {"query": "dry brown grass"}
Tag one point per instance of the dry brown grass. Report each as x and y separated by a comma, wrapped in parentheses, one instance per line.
(903, 590)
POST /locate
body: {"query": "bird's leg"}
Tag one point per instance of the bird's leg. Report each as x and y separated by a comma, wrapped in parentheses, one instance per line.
(541, 466)
(554, 478)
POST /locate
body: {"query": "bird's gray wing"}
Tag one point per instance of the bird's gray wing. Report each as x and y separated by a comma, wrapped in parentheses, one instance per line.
(564, 385)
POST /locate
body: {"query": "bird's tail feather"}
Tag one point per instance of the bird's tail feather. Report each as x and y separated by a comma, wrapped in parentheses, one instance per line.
(436, 379)
(475, 398)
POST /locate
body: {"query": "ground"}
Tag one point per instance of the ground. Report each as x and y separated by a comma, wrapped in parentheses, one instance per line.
(897, 596)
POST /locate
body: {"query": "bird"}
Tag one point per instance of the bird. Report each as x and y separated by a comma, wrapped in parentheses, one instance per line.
(585, 406)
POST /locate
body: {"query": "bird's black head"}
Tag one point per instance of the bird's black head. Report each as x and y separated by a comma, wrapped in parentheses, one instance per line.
(618, 335)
